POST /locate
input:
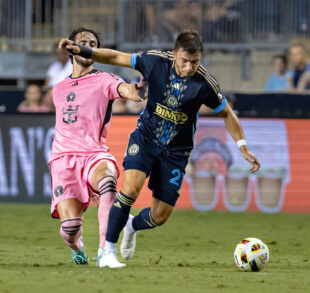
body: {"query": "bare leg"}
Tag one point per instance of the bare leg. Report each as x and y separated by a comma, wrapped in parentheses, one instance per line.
(71, 215)
(104, 178)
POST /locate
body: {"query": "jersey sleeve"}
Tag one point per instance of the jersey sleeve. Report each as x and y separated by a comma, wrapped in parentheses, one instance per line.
(110, 85)
(212, 96)
(144, 62)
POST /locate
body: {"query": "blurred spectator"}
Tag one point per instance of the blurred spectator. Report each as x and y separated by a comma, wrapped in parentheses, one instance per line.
(48, 101)
(221, 20)
(185, 14)
(280, 79)
(60, 69)
(151, 15)
(32, 102)
(57, 72)
(300, 62)
(304, 82)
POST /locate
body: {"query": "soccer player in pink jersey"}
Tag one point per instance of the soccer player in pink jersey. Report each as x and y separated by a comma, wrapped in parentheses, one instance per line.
(80, 163)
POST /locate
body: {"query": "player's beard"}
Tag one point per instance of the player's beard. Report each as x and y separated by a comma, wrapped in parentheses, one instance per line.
(83, 62)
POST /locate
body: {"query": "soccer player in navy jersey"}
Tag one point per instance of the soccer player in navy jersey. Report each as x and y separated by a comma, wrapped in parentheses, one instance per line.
(161, 144)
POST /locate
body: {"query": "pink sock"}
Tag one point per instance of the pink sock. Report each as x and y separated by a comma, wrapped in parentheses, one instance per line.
(71, 231)
(108, 192)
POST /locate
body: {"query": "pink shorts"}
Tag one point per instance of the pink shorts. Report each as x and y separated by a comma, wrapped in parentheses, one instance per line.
(71, 178)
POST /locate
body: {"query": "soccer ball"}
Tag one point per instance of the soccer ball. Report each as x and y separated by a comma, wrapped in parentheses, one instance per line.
(251, 255)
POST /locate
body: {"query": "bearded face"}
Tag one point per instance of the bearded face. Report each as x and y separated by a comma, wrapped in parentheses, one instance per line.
(86, 39)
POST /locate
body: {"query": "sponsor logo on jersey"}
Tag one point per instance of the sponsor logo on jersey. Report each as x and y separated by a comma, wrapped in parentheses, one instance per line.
(58, 191)
(133, 150)
(167, 114)
(70, 111)
(70, 97)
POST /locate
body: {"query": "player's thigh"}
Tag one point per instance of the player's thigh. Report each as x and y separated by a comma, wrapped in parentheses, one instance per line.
(67, 182)
(133, 182)
(166, 178)
(161, 211)
(70, 208)
(102, 169)
(138, 163)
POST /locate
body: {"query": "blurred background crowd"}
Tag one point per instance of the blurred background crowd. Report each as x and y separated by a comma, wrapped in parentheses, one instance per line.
(249, 45)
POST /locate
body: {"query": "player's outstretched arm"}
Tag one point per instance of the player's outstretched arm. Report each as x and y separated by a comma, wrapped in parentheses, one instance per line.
(106, 56)
(134, 91)
(235, 129)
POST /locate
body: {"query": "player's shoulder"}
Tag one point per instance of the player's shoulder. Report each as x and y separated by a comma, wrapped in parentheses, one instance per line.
(207, 79)
(162, 54)
(62, 83)
(105, 75)
(157, 55)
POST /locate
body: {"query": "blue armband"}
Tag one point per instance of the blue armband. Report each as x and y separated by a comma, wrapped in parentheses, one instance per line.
(220, 107)
(133, 60)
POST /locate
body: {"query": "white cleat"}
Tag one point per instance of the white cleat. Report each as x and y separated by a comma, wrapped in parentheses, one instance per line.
(128, 244)
(108, 259)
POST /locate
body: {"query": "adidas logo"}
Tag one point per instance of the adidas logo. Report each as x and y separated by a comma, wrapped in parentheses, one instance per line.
(75, 84)
(117, 204)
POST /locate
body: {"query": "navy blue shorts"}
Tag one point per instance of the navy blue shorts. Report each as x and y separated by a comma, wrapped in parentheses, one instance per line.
(166, 170)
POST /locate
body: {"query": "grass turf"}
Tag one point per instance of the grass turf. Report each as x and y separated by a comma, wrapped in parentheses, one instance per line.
(192, 252)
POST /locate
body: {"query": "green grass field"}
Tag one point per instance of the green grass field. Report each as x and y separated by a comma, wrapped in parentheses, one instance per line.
(192, 252)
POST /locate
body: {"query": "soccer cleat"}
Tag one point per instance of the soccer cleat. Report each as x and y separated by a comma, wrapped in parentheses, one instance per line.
(128, 244)
(80, 257)
(108, 259)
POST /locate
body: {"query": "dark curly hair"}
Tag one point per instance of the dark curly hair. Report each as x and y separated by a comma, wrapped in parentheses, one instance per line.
(82, 30)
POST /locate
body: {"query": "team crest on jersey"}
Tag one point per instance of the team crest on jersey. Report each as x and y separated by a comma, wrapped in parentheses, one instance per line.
(133, 150)
(70, 97)
(59, 190)
(69, 112)
(172, 101)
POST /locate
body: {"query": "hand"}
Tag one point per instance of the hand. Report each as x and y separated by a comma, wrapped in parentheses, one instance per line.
(70, 46)
(246, 154)
(142, 82)
(142, 89)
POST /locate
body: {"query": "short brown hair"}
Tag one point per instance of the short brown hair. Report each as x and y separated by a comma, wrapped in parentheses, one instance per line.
(190, 41)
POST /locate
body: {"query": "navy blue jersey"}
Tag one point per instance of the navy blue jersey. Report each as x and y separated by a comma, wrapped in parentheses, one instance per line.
(170, 115)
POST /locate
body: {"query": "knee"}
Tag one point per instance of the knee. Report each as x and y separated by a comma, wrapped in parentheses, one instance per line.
(71, 229)
(106, 169)
(131, 191)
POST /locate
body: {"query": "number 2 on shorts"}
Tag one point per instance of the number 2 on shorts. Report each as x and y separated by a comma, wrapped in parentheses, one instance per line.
(177, 176)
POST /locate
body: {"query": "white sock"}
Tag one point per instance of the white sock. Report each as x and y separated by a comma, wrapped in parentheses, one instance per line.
(129, 227)
(100, 251)
(110, 247)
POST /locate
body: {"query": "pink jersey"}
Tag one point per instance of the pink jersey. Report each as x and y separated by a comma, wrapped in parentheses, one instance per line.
(83, 112)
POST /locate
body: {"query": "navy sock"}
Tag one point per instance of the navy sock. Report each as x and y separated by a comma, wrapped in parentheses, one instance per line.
(144, 220)
(118, 216)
